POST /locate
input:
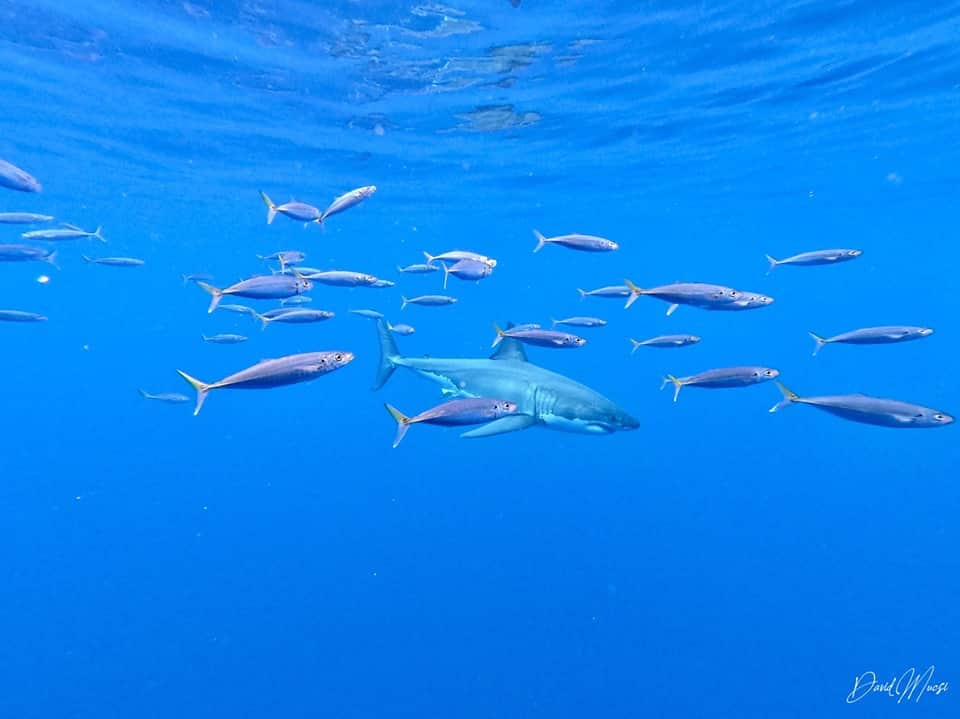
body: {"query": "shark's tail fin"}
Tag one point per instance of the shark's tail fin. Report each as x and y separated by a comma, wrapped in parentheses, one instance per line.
(789, 397)
(388, 354)
(772, 263)
(677, 384)
(403, 423)
(820, 343)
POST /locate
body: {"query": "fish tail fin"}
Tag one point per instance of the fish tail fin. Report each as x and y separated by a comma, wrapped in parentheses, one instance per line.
(500, 335)
(144, 393)
(677, 384)
(446, 274)
(404, 302)
(271, 208)
(264, 321)
(541, 240)
(820, 343)
(772, 262)
(636, 345)
(388, 355)
(430, 258)
(204, 338)
(583, 293)
(789, 397)
(215, 292)
(635, 292)
(98, 233)
(553, 322)
(202, 389)
(86, 259)
(403, 423)
(51, 259)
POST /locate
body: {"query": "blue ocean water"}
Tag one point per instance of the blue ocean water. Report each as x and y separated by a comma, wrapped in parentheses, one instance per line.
(274, 556)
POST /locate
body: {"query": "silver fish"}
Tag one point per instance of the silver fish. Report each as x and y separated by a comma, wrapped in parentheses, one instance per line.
(260, 287)
(113, 261)
(817, 257)
(348, 200)
(13, 178)
(295, 315)
(197, 277)
(68, 232)
(285, 258)
(539, 337)
(580, 322)
(428, 301)
(584, 243)
(169, 397)
(339, 278)
(18, 316)
(400, 329)
(612, 291)
(369, 314)
(271, 373)
(873, 336)
(239, 309)
(455, 413)
(383, 283)
(457, 255)
(299, 211)
(23, 218)
(466, 270)
(27, 253)
(721, 378)
(869, 410)
(700, 294)
(296, 300)
(224, 339)
(421, 269)
(665, 341)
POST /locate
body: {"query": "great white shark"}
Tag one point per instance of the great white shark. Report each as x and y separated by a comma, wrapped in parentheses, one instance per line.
(543, 398)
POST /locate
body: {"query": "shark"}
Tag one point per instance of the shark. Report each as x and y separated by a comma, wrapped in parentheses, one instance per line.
(544, 398)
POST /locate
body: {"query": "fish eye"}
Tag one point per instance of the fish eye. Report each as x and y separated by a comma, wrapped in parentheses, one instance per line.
(939, 417)
(338, 357)
(769, 373)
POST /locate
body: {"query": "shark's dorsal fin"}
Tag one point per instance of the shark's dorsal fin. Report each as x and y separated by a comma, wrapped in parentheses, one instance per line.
(510, 349)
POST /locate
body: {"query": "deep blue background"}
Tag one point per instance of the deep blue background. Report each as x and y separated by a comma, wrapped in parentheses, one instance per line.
(275, 557)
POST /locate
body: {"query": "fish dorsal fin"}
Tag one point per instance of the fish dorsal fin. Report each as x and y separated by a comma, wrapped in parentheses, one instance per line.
(510, 349)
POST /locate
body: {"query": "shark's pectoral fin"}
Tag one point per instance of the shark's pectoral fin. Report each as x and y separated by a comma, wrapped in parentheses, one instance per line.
(513, 423)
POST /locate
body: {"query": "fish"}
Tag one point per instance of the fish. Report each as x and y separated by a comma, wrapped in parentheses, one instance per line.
(285, 258)
(67, 232)
(539, 337)
(869, 410)
(13, 178)
(369, 314)
(427, 301)
(224, 339)
(27, 253)
(19, 316)
(296, 300)
(338, 278)
(169, 397)
(383, 283)
(239, 309)
(872, 336)
(418, 269)
(113, 261)
(270, 373)
(400, 329)
(721, 378)
(295, 315)
(347, 200)
(259, 287)
(615, 291)
(455, 413)
(457, 255)
(699, 294)
(197, 277)
(543, 398)
(817, 257)
(584, 243)
(299, 211)
(580, 322)
(665, 341)
(466, 270)
(23, 218)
